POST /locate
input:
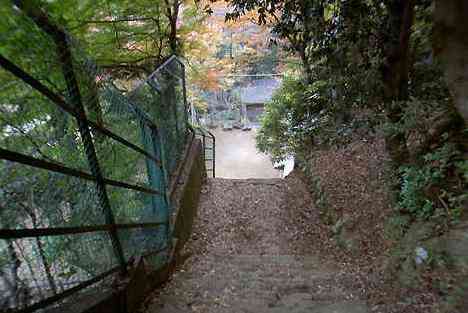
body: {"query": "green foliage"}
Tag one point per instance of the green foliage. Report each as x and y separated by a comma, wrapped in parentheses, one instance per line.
(424, 190)
(342, 69)
(281, 125)
(129, 38)
(301, 116)
(33, 125)
(412, 195)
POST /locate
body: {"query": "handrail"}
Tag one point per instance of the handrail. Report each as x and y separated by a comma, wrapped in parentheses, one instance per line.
(206, 134)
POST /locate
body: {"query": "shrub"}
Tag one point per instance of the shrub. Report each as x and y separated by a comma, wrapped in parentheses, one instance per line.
(280, 125)
(294, 117)
(436, 185)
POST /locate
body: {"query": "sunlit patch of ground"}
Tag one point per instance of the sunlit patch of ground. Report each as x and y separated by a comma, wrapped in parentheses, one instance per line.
(237, 157)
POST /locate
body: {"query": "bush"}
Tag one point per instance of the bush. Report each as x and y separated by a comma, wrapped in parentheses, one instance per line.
(412, 196)
(280, 132)
(436, 185)
(294, 117)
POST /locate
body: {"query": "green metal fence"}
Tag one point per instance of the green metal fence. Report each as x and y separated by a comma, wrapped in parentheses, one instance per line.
(85, 169)
(163, 96)
(209, 148)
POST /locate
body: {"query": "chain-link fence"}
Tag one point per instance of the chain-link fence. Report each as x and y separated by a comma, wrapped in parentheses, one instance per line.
(163, 96)
(85, 169)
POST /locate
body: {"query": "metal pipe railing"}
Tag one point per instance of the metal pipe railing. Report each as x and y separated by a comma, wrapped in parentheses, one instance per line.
(207, 135)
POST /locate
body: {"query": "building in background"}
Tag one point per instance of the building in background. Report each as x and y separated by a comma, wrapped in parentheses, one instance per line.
(255, 95)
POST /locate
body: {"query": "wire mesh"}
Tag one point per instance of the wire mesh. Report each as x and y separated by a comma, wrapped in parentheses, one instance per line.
(85, 169)
(37, 268)
(162, 97)
(37, 198)
(145, 242)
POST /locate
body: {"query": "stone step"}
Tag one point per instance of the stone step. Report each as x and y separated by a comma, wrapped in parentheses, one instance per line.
(253, 181)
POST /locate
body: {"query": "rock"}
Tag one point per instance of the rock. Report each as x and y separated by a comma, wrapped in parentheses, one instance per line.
(410, 253)
(451, 252)
(421, 255)
(457, 247)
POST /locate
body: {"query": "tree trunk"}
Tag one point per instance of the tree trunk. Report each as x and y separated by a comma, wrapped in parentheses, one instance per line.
(172, 13)
(313, 20)
(450, 45)
(91, 101)
(306, 66)
(10, 278)
(29, 209)
(395, 72)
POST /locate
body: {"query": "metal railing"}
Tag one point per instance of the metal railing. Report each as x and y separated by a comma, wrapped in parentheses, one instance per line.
(85, 169)
(163, 96)
(208, 141)
(209, 148)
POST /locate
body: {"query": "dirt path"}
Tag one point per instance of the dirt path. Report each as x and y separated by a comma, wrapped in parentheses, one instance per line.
(244, 258)
(237, 157)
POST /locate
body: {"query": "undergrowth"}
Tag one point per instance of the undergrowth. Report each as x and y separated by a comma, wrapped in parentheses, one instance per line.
(436, 186)
(327, 214)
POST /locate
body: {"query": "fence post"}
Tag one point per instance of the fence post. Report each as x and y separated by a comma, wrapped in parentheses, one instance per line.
(214, 155)
(184, 90)
(85, 133)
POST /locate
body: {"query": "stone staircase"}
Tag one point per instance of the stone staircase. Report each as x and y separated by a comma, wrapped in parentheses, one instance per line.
(241, 259)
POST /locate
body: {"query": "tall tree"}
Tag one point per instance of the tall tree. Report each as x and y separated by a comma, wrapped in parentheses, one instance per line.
(172, 14)
(395, 70)
(128, 38)
(300, 23)
(450, 44)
